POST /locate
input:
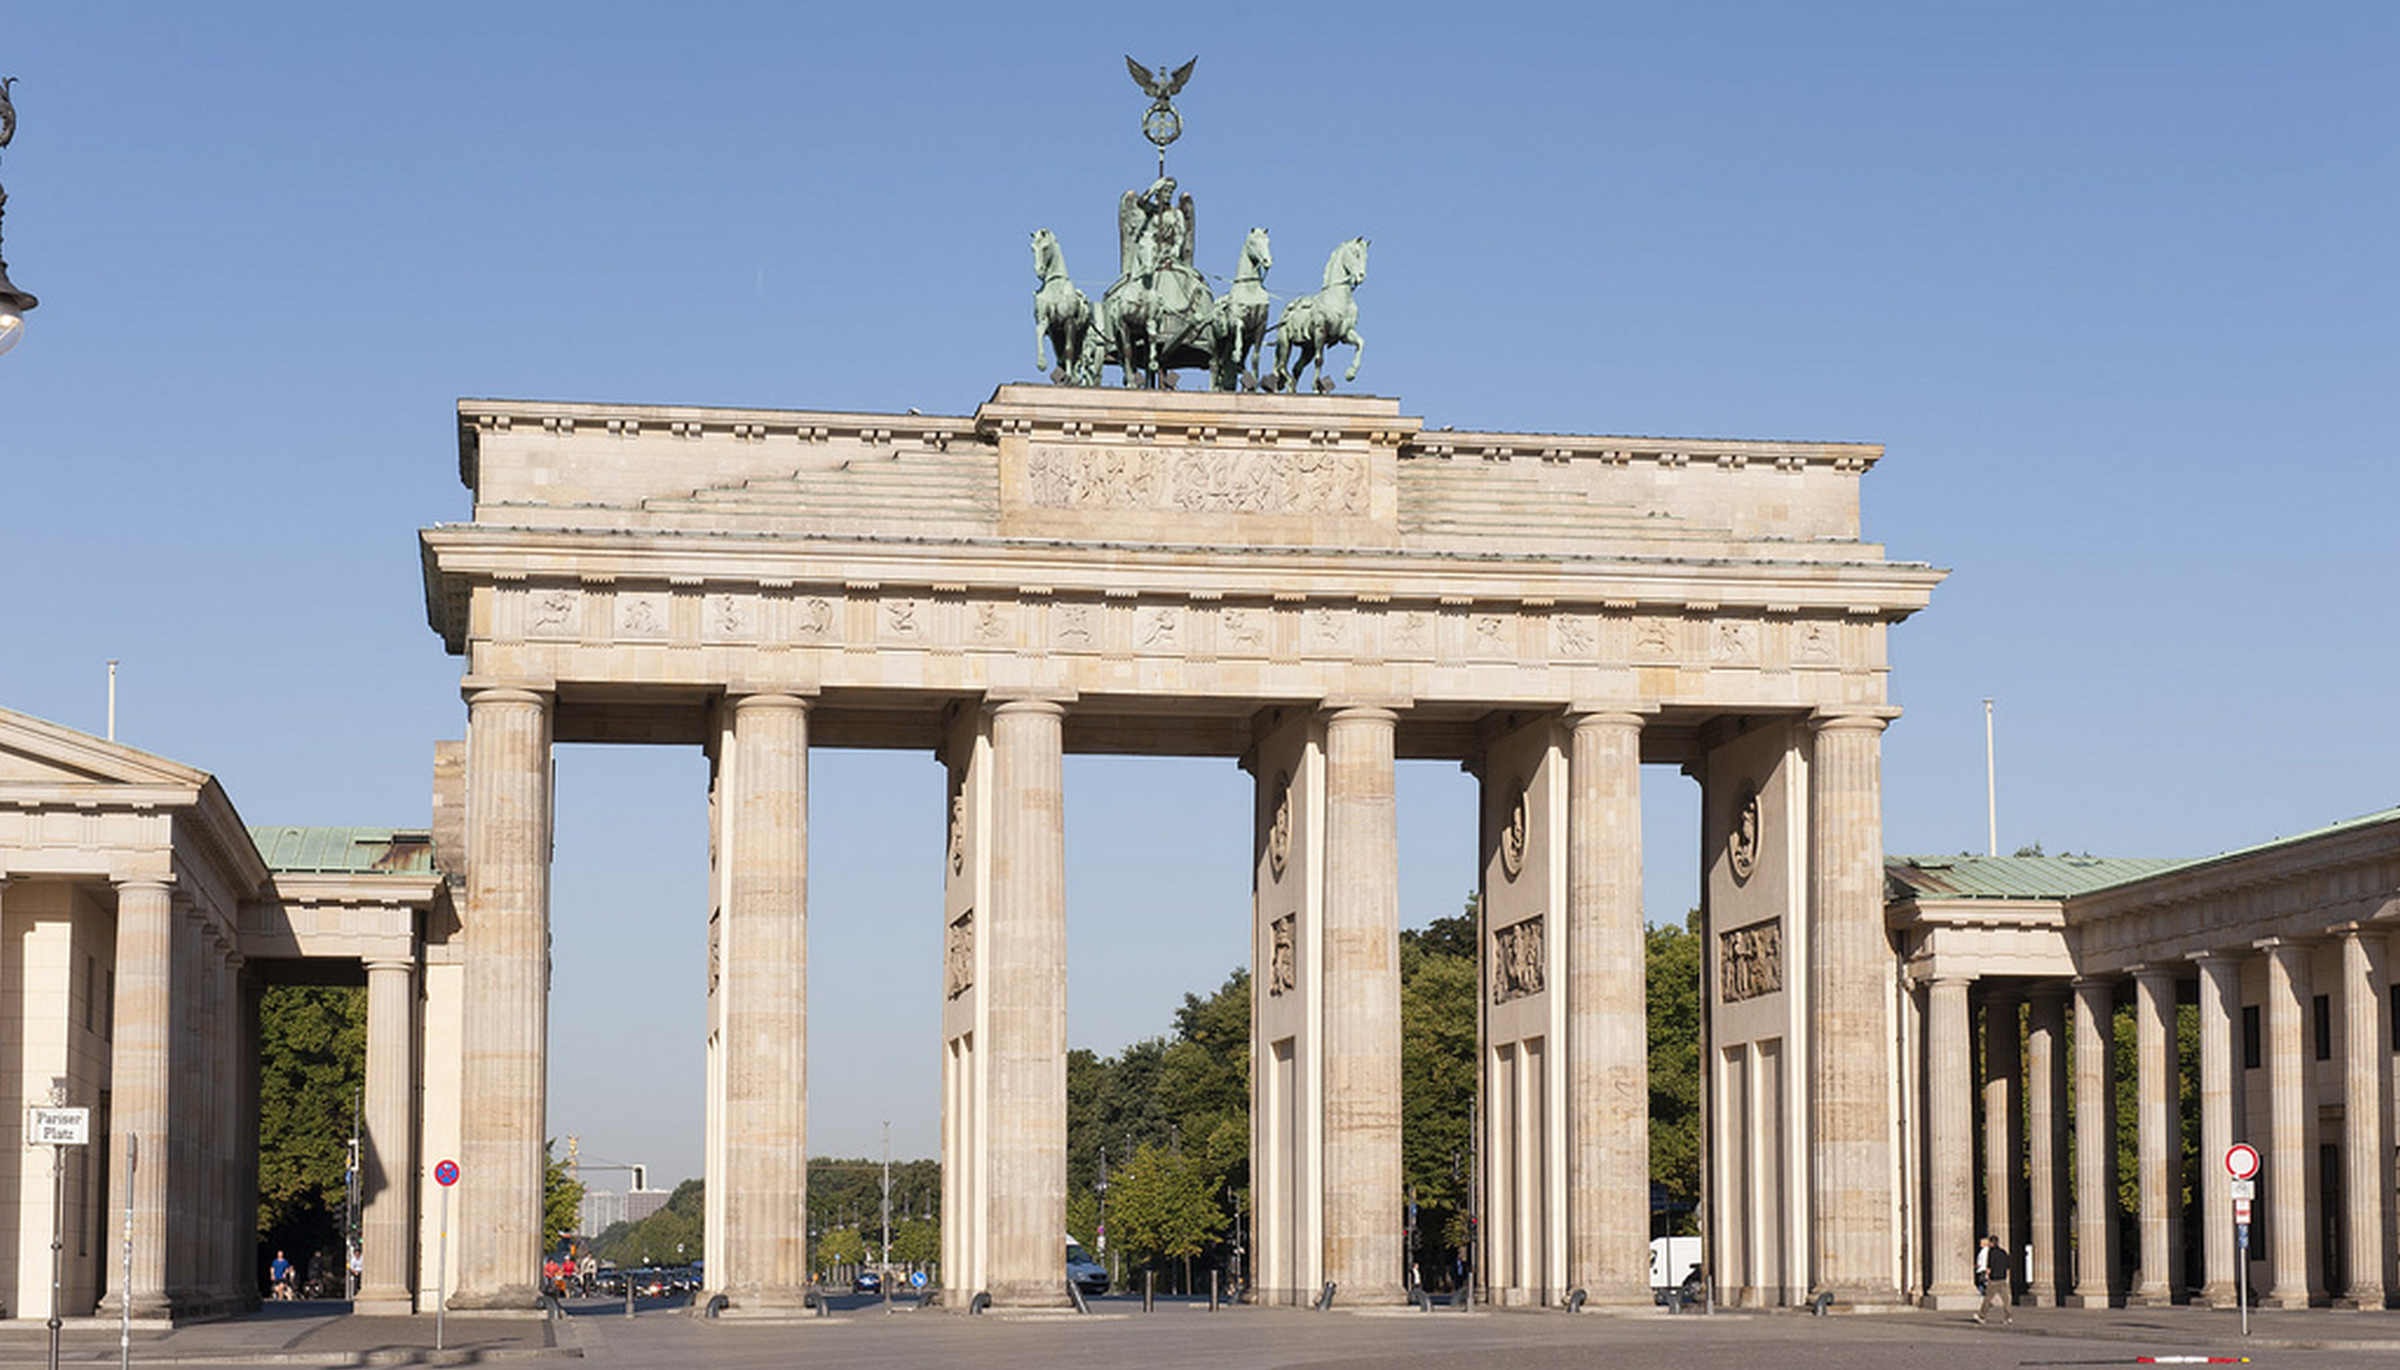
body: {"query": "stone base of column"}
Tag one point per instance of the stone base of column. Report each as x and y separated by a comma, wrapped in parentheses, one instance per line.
(1953, 1299)
(508, 1298)
(2087, 1301)
(2042, 1298)
(764, 1302)
(157, 1310)
(1617, 1296)
(382, 1303)
(1031, 1294)
(1383, 1295)
(2361, 1303)
(2151, 1296)
(2219, 1295)
(2285, 1301)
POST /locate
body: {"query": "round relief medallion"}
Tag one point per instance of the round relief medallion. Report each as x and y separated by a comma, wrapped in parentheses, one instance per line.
(1741, 845)
(1512, 837)
(1279, 830)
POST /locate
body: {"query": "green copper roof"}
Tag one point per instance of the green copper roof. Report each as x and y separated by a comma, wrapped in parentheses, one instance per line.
(362, 851)
(2380, 816)
(2013, 877)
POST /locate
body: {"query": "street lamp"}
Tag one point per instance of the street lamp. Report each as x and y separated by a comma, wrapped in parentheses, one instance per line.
(13, 302)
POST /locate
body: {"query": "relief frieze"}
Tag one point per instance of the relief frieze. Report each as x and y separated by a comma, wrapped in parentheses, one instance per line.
(1200, 481)
(554, 613)
(1517, 960)
(958, 956)
(1749, 962)
(641, 614)
(1283, 955)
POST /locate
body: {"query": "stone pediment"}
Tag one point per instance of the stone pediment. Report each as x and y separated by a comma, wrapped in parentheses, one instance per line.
(36, 754)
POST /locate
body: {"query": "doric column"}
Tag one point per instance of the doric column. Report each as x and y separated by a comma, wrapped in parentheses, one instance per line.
(2220, 1007)
(237, 1235)
(2003, 1136)
(1608, 1084)
(1362, 1009)
(1852, 1172)
(2095, 1143)
(2291, 1126)
(1026, 963)
(187, 1108)
(2158, 1131)
(507, 927)
(139, 1074)
(2366, 1089)
(764, 960)
(1950, 1143)
(388, 1219)
(2046, 1136)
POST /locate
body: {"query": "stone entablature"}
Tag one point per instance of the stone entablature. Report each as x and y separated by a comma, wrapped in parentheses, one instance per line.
(1209, 546)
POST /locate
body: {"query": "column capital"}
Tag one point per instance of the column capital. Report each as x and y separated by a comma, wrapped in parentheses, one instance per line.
(405, 964)
(504, 692)
(1623, 713)
(2151, 972)
(1354, 706)
(1853, 718)
(1022, 704)
(164, 882)
(2214, 957)
(2282, 948)
(740, 701)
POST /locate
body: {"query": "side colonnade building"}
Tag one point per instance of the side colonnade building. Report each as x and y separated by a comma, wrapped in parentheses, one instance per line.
(2259, 990)
(140, 921)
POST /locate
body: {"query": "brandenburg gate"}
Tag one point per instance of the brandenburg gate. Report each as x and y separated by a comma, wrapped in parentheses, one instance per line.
(1318, 586)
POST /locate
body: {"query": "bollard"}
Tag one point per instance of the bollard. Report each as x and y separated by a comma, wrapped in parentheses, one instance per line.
(1075, 1296)
(1575, 1300)
(1149, 1291)
(1212, 1291)
(1325, 1300)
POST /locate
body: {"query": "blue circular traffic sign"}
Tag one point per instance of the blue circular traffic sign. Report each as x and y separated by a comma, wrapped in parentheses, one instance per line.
(445, 1173)
(916, 1279)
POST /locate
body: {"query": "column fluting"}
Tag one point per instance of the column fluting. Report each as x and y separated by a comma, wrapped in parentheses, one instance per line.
(1026, 995)
(1362, 1008)
(1608, 1183)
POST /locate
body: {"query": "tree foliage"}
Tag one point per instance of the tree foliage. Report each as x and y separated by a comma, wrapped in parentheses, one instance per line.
(1437, 1077)
(562, 1200)
(1672, 986)
(312, 1067)
(1165, 1205)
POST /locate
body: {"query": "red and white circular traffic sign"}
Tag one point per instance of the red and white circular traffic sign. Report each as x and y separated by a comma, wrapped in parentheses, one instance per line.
(2241, 1160)
(445, 1174)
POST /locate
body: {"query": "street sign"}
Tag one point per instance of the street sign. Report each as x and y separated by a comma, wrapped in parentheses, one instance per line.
(2245, 1189)
(2241, 1160)
(61, 1126)
(2241, 1211)
(2241, 1238)
(916, 1279)
(445, 1173)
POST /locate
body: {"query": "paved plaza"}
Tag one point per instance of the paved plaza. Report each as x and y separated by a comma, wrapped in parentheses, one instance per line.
(1119, 1336)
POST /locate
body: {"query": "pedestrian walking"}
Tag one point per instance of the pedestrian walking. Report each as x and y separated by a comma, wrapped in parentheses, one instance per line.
(1991, 1279)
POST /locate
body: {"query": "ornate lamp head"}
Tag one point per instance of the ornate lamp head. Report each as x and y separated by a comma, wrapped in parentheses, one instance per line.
(13, 302)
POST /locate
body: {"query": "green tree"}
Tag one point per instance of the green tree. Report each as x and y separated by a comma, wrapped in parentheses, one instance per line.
(312, 1069)
(841, 1246)
(1672, 986)
(1437, 1076)
(562, 1200)
(1164, 1206)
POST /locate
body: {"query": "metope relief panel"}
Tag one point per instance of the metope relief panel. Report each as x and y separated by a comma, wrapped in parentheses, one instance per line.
(642, 615)
(1244, 630)
(903, 619)
(728, 618)
(554, 613)
(1733, 642)
(1749, 962)
(1201, 481)
(1816, 643)
(1654, 639)
(1158, 628)
(1574, 637)
(990, 623)
(1410, 634)
(1074, 627)
(1517, 961)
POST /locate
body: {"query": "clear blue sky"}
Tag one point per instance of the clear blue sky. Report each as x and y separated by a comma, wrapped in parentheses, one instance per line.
(2115, 284)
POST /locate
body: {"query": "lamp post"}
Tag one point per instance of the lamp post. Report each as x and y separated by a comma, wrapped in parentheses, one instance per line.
(14, 303)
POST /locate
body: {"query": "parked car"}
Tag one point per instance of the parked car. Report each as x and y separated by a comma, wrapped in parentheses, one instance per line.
(1083, 1272)
(866, 1282)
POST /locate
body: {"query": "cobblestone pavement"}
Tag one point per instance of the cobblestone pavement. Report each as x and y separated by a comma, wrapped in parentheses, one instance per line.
(1119, 1336)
